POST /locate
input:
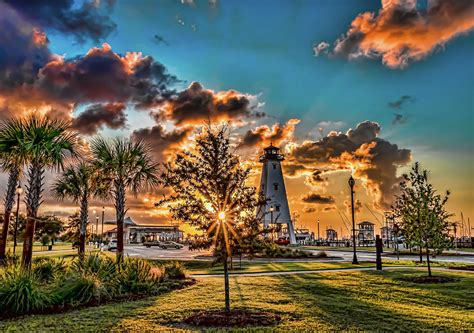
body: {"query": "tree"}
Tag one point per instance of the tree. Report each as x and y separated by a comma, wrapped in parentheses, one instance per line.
(125, 166)
(423, 217)
(48, 229)
(210, 193)
(48, 142)
(80, 183)
(72, 230)
(12, 160)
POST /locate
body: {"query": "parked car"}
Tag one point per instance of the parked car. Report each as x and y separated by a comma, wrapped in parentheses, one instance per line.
(170, 244)
(112, 246)
(282, 241)
(164, 244)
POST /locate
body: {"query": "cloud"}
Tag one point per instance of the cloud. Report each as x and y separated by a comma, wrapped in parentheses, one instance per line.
(315, 198)
(163, 142)
(87, 21)
(196, 105)
(102, 75)
(399, 119)
(264, 134)
(321, 48)
(309, 209)
(96, 116)
(371, 159)
(357, 206)
(399, 103)
(400, 33)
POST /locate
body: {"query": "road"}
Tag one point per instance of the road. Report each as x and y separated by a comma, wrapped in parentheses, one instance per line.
(140, 251)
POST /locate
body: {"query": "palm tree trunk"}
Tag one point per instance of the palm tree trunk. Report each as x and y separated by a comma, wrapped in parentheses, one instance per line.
(83, 224)
(34, 190)
(120, 215)
(9, 200)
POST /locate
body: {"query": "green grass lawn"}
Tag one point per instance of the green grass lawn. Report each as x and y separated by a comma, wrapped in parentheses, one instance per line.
(374, 301)
(207, 267)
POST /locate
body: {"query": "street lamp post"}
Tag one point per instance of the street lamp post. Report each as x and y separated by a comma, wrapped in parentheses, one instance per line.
(102, 226)
(18, 192)
(351, 185)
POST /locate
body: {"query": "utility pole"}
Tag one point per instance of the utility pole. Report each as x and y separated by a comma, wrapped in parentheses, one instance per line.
(319, 237)
(351, 185)
(102, 228)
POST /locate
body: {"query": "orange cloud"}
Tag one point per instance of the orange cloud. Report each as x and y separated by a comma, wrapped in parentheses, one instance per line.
(400, 33)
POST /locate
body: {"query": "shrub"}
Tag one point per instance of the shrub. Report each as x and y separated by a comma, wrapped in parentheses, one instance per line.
(174, 271)
(21, 292)
(47, 269)
(80, 288)
(10, 260)
(95, 264)
(137, 276)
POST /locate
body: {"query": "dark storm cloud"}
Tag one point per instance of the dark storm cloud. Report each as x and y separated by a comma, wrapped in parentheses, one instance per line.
(398, 118)
(197, 105)
(316, 198)
(401, 32)
(96, 116)
(23, 51)
(360, 150)
(162, 142)
(400, 103)
(104, 76)
(90, 20)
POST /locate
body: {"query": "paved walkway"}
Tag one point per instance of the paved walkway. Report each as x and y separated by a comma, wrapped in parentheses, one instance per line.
(329, 270)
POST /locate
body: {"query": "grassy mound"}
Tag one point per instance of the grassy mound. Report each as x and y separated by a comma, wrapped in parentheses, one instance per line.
(236, 318)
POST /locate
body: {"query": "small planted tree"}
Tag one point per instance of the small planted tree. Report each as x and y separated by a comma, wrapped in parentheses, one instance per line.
(210, 192)
(423, 217)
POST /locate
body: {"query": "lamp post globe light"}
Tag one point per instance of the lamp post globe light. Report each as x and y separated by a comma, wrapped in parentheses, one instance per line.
(18, 192)
(351, 185)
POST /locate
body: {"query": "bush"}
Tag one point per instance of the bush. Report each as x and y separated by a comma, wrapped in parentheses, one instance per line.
(137, 276)
(10, 260)
(80, 289)
(95, 264)
(47, 269)
(272, 250)
(21, 292)
(174, 271)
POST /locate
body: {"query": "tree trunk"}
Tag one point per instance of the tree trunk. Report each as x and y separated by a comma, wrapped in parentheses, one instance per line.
(120, 215)
(33, 199)
(421, 254)
(226, 286)
(83, 224)
(9, 201)
(428, 261)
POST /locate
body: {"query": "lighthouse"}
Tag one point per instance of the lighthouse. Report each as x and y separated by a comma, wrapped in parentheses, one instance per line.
(272, 187)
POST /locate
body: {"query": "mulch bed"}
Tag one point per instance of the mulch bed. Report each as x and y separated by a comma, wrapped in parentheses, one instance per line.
(463, 268)
(236, 318)
(428, 279)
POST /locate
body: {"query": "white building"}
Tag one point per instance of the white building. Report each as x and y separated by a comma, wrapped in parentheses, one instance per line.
(135, 233)
(272, 186)
(366, 233)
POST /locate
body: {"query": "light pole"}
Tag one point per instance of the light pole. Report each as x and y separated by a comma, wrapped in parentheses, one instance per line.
(18, 192)
(351, 185)
(102, 226)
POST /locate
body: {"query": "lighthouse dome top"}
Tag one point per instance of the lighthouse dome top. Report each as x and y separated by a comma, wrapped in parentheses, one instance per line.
(271, 153)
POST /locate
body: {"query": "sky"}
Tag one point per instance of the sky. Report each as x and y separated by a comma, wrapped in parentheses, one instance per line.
(342, 87)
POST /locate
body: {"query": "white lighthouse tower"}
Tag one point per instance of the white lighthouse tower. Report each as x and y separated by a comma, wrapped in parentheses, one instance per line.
(272, 186)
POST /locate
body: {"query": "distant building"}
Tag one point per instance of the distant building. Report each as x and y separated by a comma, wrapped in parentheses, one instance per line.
(366, 233)
(135, 233)
(304, 236)
(331, 235)
(387, 235)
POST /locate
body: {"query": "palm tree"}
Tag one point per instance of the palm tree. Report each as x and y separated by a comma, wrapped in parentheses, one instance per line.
(80, 183)
(12, 160)
(48, 143)
(124, 165)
